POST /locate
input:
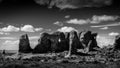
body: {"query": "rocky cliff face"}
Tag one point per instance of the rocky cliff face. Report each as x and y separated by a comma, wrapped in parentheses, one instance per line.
(24, 45)
(117, 43)
(59, 42)
(62, 41)
(94, 42)
(85, 38)
(44, 44)
(54, 42)
(76, 44)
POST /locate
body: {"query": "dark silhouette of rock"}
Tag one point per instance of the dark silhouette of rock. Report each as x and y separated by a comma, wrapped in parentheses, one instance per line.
(62, 41)
(94, 42)
(76, 43)
(54, 39)
(24, 45)
(59, 41)
(3, 52)
(117, 43)
(44, 44)
(55, 42)
(88, 39)
(67, 34)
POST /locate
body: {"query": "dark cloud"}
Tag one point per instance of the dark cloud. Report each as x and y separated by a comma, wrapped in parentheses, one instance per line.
(0, 0)
(62, 4)
(15, 2)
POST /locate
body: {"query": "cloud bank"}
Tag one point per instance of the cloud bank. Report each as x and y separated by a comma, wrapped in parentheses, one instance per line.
(73, 4)
(113, 24)
(78, 21)
(104, 28)
(25, 28)
(98, 19)
(9, 28)
(94, 20)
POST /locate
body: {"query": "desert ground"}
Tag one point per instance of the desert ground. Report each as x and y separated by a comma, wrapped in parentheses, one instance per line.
(97, 59)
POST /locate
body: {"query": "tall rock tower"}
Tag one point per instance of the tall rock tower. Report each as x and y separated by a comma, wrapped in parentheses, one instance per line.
(117, 43)
(24, 45)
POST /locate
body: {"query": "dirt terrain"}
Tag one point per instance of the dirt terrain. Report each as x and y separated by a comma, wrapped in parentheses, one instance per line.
(99, 59)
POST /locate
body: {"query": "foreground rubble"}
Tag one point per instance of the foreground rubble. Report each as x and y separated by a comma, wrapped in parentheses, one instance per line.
(103, 57)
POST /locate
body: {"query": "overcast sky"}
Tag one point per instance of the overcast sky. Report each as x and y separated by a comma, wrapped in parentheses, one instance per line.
(34, 17)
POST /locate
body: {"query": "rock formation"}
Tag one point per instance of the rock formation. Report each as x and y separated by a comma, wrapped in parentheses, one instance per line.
(71, 48)
(88, 40)
(44, 44)
(62, 41)
(117, 43)
(59, 42)
(74, 43)
(24, 45)
(93, 42)
(54, 42)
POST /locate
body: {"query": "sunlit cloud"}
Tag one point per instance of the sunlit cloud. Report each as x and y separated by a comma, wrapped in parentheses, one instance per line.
(39, 29)
(113, 34)
(78, 21)
(113, 24)
(104, 28)
(58, 23)
(10, 28)
(98, 19)
(27, 28)
(4, 33)
(67, 16)
(30, 28)
(67, 29)
(94, 20)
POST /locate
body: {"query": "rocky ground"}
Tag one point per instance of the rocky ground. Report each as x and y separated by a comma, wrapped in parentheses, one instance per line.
(100, 59)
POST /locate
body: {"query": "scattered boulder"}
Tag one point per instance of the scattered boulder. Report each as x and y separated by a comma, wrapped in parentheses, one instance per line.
(24, 45)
